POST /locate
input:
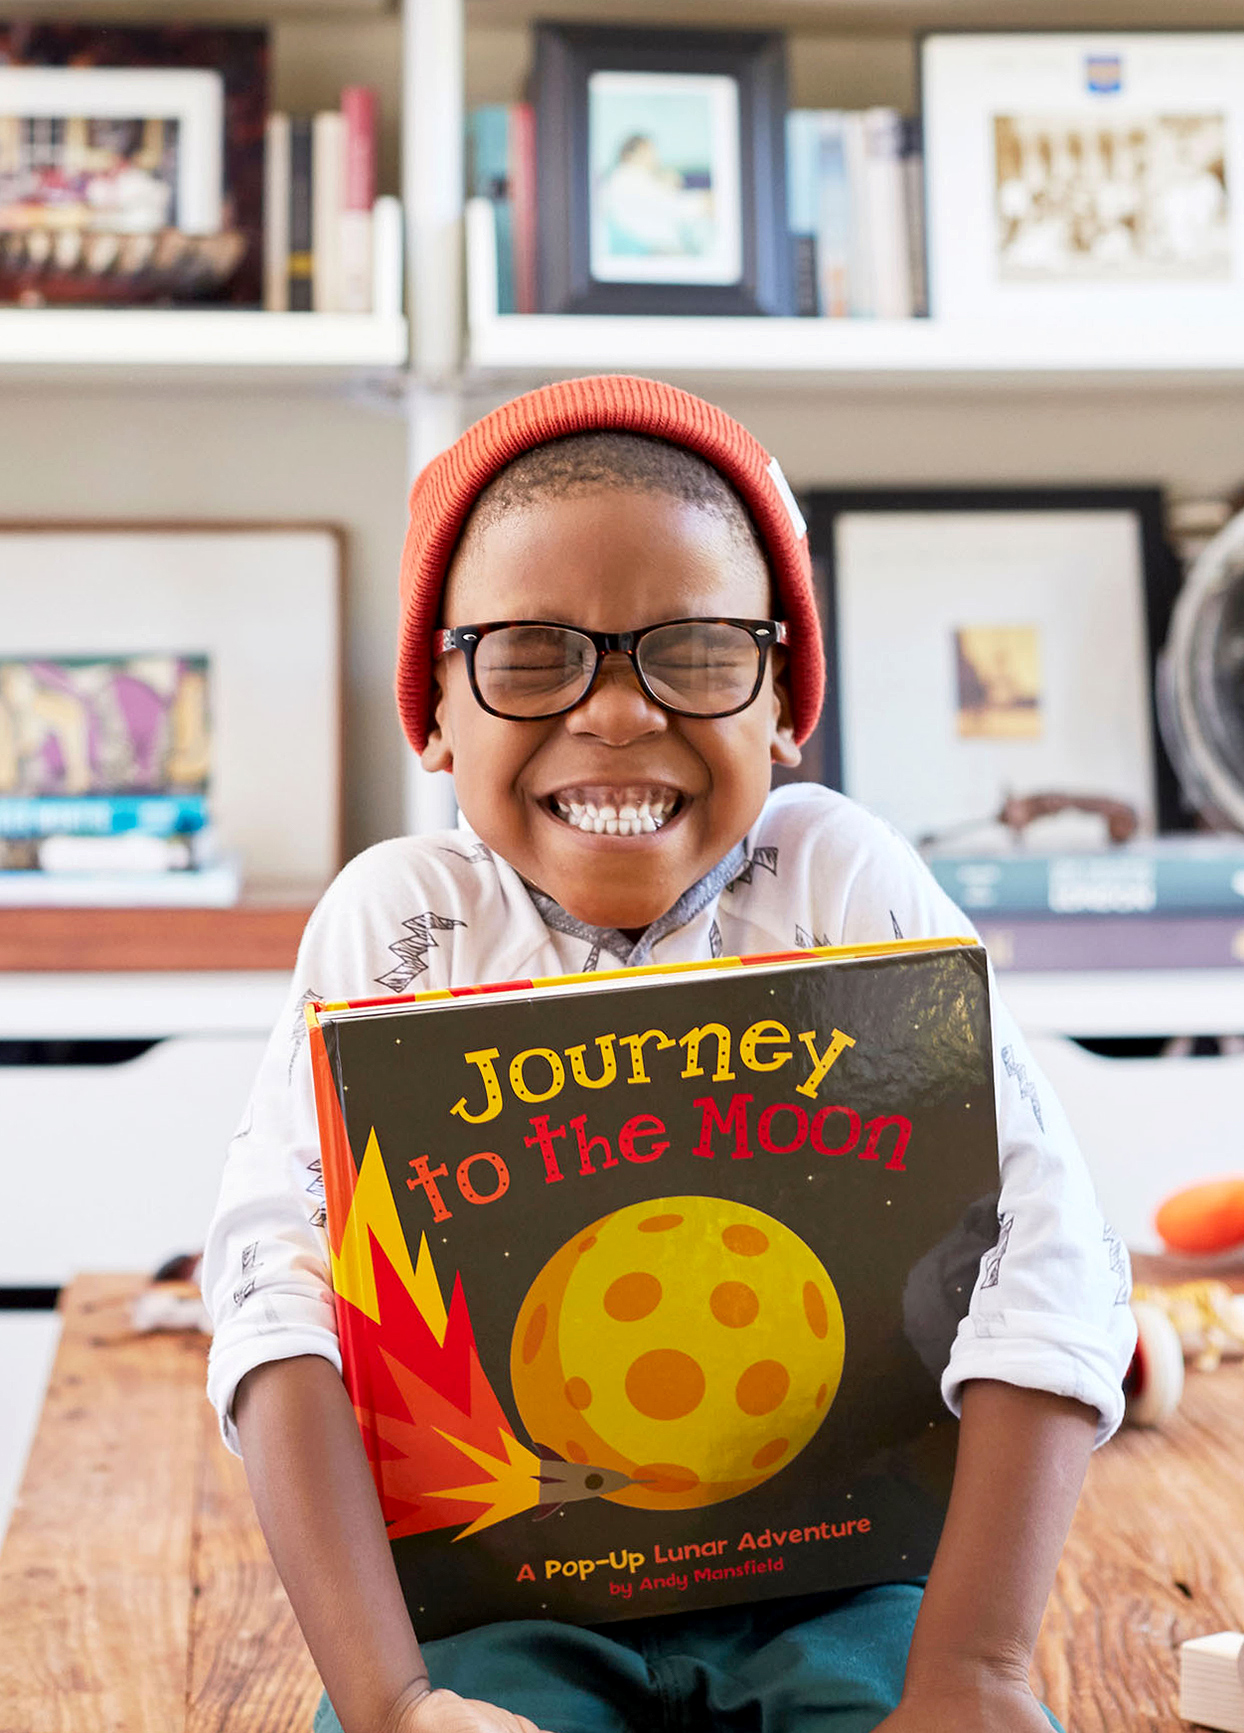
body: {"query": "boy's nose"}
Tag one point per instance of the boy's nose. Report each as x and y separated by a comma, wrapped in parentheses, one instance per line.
(617, 709)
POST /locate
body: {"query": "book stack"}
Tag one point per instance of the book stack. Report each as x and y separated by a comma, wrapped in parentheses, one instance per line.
(501, 167)
(328, 240)
(104, 784)
(1211, 1681)
(855, 209)
(1158, 902)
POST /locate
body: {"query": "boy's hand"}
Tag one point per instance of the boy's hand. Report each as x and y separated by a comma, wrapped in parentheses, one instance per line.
(989, 1705)
(446, 1712)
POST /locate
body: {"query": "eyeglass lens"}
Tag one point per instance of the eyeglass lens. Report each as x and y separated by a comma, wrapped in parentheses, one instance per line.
(705, 667)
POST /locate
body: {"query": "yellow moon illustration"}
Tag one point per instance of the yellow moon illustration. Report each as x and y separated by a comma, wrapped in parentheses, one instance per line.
(692, 1343)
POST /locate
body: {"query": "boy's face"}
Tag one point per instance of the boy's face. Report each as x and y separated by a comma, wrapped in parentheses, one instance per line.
(608, 561)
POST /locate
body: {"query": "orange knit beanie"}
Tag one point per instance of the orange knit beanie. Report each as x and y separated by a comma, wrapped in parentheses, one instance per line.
(448, 487)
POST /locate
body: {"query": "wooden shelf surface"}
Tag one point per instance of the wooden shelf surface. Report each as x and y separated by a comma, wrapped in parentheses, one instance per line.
(258, 933)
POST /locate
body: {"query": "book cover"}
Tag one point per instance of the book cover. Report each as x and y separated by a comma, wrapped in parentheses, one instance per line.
(522, 175)
(1076, 942)
(862, 291)
(913, 199)
(301, 206)
(488, 177)
(359, 109)
(276, 214)
(889, 249)
(645, 1282)
(1201, 874)
(328, 146)
(39, 815)
(802, 196)
(835, 218)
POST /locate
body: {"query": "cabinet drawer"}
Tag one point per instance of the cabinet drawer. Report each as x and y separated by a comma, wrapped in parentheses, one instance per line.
(115, 1167)
(1148, 1127)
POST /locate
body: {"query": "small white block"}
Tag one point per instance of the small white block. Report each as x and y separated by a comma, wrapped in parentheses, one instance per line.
(1211, 1681)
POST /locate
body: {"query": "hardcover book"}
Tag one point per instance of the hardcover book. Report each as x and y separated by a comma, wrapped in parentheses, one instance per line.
(645, 1281)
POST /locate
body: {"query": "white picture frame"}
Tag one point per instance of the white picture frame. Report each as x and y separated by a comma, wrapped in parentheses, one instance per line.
(912, 580)
(263, 604)
(1088, 176)
(193, 97)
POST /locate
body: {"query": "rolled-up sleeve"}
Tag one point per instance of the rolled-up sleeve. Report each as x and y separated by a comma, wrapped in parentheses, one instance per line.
(1049, 1309)
(266, 1272)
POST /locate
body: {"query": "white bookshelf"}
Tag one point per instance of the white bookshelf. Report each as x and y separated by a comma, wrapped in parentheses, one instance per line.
(198, 338)
(818, 352)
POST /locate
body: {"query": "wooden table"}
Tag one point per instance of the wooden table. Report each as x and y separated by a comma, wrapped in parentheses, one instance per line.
(136, 1594)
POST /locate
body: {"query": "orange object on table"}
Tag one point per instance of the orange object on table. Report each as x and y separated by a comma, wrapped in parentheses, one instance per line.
(1204, 1218)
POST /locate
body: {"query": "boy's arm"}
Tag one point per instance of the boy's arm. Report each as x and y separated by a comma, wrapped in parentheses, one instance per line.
(316, 1501)
(1020, 1465)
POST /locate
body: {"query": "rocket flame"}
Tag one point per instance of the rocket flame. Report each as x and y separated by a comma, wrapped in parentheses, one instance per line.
(424, 1400)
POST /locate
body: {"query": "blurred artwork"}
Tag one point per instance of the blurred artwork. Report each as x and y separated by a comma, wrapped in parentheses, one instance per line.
(998, 673)
(107, 173)
(664, 152)
(104, 725)
(1133, 198)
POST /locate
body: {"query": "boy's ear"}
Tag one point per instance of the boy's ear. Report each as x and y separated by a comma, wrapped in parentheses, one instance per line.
(782, 747)
(438, 754)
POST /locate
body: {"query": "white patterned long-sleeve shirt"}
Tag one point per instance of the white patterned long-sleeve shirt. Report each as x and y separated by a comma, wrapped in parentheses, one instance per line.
(1049, 1307)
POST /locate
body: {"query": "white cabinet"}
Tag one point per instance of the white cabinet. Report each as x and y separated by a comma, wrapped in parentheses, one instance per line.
(117, 1166)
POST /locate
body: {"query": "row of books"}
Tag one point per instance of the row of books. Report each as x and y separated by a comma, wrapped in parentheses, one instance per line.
(105, 768)
(117, 850)
(501, 167)
(319, 203)
(855, 209)
(1159, 902)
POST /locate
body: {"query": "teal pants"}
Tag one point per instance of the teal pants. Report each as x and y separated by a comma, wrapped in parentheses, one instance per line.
(830, 1663)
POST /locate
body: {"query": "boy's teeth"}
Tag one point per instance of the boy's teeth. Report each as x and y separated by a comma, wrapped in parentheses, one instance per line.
(631, 814)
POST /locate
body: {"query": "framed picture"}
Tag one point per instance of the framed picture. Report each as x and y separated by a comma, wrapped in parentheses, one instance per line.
(661, 171)
(1086, 175)
(254, 609)
(988, 644)
(225, 268)
(106, 148)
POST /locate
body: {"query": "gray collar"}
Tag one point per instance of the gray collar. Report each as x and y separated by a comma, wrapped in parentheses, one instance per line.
(617, 944)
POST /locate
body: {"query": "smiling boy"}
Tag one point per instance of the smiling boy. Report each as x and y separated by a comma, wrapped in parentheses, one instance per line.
(608, 637)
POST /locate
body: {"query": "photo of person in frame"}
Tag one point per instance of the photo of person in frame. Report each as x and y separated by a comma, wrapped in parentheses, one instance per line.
(664, 156)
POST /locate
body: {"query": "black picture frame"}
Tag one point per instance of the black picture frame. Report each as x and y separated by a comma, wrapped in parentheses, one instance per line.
(1161, 578)
(566, 57)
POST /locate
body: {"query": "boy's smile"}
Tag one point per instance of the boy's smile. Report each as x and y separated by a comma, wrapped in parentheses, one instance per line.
(618, 806)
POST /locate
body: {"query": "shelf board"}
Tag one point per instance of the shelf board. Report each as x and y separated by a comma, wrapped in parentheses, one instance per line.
(256, 934)
(870, 351)
(201, 339)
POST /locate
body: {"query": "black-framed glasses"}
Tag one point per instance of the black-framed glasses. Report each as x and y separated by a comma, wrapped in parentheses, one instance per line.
(524, 669)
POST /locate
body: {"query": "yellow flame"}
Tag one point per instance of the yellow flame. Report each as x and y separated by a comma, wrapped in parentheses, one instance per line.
(512, 1489)
(372, 1208)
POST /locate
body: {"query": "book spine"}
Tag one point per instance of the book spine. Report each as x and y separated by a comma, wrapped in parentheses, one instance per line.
(216, 886)
(387, 243)
(801, 206)
(100, 814)
(890, 266)
(276, 214)
(913, 202)
(1132, 884)
(301, 159)
(327, 204)
(522, 176)
(834, 217)
(1079, 942)
(862, 288)
(356, 238)
(488, 168)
